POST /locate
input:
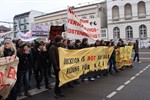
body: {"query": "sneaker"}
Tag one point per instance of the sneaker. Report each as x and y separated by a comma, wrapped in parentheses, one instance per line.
(85, 79)
(139, 61)
(91, 79)
(98, 77)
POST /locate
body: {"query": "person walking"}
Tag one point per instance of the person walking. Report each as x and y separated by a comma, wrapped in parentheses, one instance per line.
(54, 59)
(136, 51)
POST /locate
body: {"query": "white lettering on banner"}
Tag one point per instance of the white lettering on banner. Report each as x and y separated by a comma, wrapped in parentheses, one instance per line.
(79, 28)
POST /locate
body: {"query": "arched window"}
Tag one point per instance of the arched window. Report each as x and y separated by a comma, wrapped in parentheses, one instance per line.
(128, 11)
(115, 13)
(129, 32)
(116, 33)
(142, 32)
(141, 9)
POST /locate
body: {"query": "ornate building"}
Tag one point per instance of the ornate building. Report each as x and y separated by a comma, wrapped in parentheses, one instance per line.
(128, 19)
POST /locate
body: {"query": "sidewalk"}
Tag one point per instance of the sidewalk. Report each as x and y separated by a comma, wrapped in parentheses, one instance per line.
(144, 50)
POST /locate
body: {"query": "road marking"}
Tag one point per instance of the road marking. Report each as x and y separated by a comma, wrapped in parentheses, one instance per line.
(141, 72)
(120, 87)
(112, 94)
(132, 78)
(137, 74)
(127, 82)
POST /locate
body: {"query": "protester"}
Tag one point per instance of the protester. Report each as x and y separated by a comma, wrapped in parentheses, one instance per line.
(90, 75)
(23, 54)
(54, 58)
(41, 65)
(112, 60)
(8, 49)
(136, 51)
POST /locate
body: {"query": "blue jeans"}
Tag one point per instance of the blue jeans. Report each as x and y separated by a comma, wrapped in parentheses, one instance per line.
(136, 56)
(23, 76)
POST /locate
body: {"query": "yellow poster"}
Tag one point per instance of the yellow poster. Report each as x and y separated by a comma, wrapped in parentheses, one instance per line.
(74, 63)
(123, 56)
(127, 55)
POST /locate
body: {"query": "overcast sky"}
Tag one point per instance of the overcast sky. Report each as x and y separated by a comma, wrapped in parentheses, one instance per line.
(10, 8)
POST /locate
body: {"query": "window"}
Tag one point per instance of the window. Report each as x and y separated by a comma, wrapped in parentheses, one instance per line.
(115, 13)
(103, 33)
(128, 11)
(21, 27)
(142, 32)
(92, 16)
(65, 24)
(21, 20)
(84, 17)
(129, 32)
(116, 33)
(141, 9)
(57, 23)
(51, 23)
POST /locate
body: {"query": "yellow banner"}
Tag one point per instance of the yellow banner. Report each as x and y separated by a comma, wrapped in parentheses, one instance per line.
(74, 63)
(123, 56)
(8, 74)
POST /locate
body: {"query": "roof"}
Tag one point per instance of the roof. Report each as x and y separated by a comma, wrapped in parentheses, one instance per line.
(66, 9)
(26, 13)
(4, 28)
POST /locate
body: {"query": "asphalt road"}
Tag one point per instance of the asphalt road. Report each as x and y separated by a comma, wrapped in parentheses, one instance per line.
(130, 84)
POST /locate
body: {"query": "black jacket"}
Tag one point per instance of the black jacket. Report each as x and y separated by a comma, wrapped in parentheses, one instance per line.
(23, 60)
(54, 56)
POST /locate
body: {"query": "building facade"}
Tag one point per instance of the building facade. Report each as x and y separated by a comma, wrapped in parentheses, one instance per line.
(86, 11)
(4, 29)
(24, 21)
(128, 19)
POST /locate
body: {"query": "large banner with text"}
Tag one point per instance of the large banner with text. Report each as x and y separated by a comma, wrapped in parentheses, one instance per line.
(8, 71)
(79, 28)
(123, 56)
(74, 63)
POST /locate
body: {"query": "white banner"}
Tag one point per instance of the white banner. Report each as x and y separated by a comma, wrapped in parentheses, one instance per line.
(8, 74)
(7, 34)
(78, 28)
(40, 30)
(26, 37)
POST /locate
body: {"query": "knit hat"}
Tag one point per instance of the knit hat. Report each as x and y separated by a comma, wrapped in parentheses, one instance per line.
(7, 40)
(22, 44)
(58, 38)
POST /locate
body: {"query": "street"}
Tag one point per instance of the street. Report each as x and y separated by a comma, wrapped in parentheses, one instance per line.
(130, 84)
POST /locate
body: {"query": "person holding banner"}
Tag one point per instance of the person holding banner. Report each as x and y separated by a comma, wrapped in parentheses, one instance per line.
(90, 75)
(112, 60)
(54, 59)
(8, 49)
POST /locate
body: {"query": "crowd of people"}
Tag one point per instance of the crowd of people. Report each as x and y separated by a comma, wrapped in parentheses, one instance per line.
(38, 59)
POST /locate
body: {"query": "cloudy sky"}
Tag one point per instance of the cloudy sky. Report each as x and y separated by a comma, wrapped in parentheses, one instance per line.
(10, 8)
